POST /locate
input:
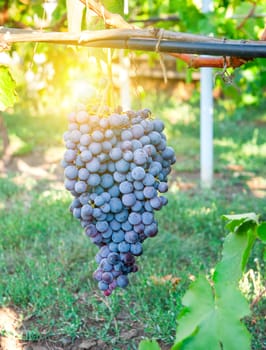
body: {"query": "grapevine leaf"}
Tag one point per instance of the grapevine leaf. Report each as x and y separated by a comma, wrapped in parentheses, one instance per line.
(74, 15)
(211, 318)
(241, 222)
(7, 89)
(115, 6)
(261, 231)
(149, 345)
(198, 302)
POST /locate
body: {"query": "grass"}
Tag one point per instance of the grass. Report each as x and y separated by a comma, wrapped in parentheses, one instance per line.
(46, 263)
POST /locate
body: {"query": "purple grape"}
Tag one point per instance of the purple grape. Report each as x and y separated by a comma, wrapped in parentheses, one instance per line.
(122, 166)
(122, 281)
(116, 154)
(108, 233)
(71, 172)
(111, 167)
(108, 134)
(123, 247)
(126, 187)
(115, 205)
(79, 162)
(93, 165)
(126, 226)
(149, 192)
(158, 125)
(75, 136)
(156, 203)
(102, 285)
(168, 153)
(107, 277)
(84, 128)
(97, 136)
(114, 191)
(94, 180)
(122, 215)
(148, 180)
(70, 144)
(70, 155)
(83, 174)
(164, 200)
(85, 140)
(126, 135)
(118, 236)
(129, 199)
(138, 173)
(115, 225)
(155, 137)
(80, 186)
(106, 266)
(82, 117)
(119, 177)
(151, 230)
(147, 218)
(104, 123)
(128, 156)
(106, 208)
(113, 247)
(136, 145)
(104, 251)
(91, 230)
(97, 275)
(138, 185)
(126, 146)
(139, 228)
(134, 218)
(139, 195)
(136, 248)
(162, 187)
(131, 237)
(85, 156)
(102, 226)
(86, 211)
(107, 181)
(137, 131)
(77, 213)
(138, 206)
(106, 146)
(95, 148)
(113, 258)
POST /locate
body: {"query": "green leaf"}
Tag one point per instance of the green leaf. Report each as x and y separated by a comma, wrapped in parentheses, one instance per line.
(241, 222)
(261, 231)
(74, 15)
(212, 313)
(198, 302)
(7, 89)
(114, 6)
(149, 345)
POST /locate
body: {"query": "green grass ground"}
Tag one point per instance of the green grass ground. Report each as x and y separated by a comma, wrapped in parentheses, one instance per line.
(46, 262)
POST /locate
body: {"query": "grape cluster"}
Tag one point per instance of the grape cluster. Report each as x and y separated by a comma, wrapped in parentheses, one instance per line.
(116, 167)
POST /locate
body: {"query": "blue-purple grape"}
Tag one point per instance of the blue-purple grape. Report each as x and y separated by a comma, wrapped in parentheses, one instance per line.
(115, 166)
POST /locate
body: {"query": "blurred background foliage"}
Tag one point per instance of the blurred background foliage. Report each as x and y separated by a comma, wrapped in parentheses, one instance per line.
(46, 73)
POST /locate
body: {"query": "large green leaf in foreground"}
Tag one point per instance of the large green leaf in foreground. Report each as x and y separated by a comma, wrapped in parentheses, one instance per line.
(213, 310)
(7, 89)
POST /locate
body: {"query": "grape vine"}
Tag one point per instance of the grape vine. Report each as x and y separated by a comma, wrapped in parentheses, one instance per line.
(116, 167)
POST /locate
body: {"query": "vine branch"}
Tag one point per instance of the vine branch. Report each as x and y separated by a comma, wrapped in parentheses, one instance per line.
(110, 19)
(193, 61)
(124, 34)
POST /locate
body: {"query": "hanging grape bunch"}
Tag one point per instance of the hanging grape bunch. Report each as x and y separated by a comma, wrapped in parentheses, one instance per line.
(116, 167)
